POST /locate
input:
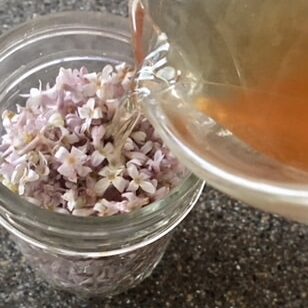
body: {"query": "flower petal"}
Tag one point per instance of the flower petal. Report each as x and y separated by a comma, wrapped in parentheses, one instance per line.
(108, 148)
(132, 186)
(147, 187)
(32, 176)
(89, 89)
(138, 155)
(105, 171)
(69, 172)
(91, 77)
(101, 186)
(129, 145)
(84, 112)
(79, 155)
(91, 103)
(61, 154)
(159, 156)
(21, 188)
(120, 183)
(139, 137)
(97, 158)
(97, 113)
(56, 120)
(135, 162)
(97, 134)
(83, 170)
(132, 171)
(147, 147)
(100, 206)
(18, 173)
(107, 71)
(71, 138)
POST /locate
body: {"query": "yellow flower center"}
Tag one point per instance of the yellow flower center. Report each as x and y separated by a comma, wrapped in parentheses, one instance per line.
(71, 160)
(28, 138)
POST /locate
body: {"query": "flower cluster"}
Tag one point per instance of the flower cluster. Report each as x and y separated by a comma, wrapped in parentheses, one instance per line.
(57, 154)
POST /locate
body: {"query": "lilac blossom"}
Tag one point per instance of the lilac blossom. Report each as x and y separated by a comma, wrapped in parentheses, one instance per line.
(108, 208)
(72, 163)
(139, 180)
(57, 153)
(154, 164)
(97, 134)
(102, 153)
(89, 112)
(23, 175)
(111, 177)
(73, 201)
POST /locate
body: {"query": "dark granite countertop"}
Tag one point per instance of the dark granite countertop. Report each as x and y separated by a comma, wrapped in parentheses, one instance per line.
(224, 254)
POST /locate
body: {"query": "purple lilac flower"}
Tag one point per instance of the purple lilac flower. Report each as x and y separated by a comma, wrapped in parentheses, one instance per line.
(55, 151)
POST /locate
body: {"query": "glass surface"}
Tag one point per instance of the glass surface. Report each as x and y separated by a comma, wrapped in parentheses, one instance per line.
(237, 115)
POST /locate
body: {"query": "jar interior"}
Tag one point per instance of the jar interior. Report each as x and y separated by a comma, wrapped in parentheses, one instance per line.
(39, 59)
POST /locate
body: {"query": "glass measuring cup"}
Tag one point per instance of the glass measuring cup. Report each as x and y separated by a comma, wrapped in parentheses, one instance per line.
(241, 50)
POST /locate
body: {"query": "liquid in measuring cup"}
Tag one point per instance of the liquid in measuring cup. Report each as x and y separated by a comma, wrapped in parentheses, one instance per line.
(262, 100)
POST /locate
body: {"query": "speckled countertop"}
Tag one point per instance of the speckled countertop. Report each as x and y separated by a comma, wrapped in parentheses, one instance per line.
(223, 255)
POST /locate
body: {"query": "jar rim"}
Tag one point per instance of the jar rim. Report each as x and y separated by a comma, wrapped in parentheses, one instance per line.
(32, 222)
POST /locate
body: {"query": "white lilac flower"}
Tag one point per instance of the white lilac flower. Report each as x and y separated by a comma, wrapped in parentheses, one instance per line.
(108, 208)
(72, 82)
(90, 88)
(56, 119)
(73, 122)
(8, 118)
(112, 176)
(23, 175)
(139, 180)
(129, 145)
(73, 202)
(6, 171)
(134, 202)
(112, 105)
(139, 137)
(105, 86)
(134, 161)
(147, 147)
(154, 164)
(141, 157)
(40, 163)
(34, 98)
(72, 163)
(97, 135)
(89, 112)
(102, 153)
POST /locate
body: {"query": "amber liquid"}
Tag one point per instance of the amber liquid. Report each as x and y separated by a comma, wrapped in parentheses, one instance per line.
(272, 119)
(271, 115)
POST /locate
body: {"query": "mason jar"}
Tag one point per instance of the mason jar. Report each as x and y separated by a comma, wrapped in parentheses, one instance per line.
(84, 255)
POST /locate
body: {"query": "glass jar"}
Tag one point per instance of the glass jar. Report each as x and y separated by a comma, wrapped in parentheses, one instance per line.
(84, 255)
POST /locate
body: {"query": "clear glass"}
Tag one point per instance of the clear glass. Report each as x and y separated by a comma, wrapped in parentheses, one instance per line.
(85, 255)
(224, 46)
